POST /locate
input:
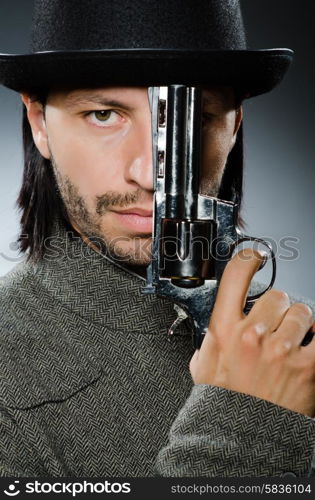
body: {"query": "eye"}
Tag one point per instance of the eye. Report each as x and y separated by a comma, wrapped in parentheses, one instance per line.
(207, 117)
(103, 118)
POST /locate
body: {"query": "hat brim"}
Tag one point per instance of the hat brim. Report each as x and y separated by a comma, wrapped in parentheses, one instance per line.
(252, 72)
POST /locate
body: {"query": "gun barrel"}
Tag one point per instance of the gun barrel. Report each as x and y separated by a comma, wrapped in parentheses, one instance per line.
(182, 162)
(193, 151)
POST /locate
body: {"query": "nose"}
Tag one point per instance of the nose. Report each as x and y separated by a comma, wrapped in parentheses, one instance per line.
(139, 169)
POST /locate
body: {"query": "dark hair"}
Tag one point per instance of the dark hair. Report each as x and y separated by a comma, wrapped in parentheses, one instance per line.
(39, 199)
(40, 203)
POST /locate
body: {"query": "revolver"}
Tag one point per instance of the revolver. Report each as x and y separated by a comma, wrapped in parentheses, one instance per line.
(194, 235)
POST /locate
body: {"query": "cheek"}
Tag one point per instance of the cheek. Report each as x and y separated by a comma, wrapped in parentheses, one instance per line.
(216, 145)
(92, 159)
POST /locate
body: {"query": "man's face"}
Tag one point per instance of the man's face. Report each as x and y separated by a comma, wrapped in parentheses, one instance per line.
(100, 145)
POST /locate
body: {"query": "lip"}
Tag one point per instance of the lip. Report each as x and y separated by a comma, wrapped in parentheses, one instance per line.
(135, 211)
(136, 220)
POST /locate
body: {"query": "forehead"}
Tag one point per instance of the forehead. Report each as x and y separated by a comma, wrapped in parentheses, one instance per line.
(73, 97)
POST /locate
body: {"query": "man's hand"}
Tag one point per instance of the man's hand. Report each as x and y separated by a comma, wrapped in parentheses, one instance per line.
(259, 354)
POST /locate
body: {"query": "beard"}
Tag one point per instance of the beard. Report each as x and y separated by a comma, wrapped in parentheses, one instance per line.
(88, 223)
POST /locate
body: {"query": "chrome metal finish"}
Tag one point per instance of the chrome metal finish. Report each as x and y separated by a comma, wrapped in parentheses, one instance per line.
(180, 210)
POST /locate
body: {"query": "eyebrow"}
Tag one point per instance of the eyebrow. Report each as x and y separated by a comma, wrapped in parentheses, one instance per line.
(213, 99)
(98, 99)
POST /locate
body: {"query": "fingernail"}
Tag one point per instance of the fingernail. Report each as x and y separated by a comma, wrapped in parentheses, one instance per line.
(260, 329)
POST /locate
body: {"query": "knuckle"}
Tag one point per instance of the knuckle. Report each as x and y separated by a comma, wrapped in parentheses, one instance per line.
(280, 296)
(279, 349)
(251, 336)
(301, 309)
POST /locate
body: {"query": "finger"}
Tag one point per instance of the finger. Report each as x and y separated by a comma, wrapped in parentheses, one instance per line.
(297, 321)
(208, 346)
(193, 363)
(234, 286)
(268, 312)
(204, 361)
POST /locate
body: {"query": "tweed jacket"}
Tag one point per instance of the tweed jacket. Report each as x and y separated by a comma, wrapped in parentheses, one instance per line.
(90, 384)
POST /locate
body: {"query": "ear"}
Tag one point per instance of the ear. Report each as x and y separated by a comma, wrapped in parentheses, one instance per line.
(36, 118)
(238, 121)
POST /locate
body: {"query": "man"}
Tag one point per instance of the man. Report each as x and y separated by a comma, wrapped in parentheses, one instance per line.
(90, 384)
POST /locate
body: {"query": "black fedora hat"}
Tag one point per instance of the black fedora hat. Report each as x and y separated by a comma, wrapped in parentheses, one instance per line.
(142, 42)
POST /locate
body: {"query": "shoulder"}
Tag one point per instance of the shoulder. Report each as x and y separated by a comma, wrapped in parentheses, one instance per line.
(42, 356)
(18, 293)
(18, 278)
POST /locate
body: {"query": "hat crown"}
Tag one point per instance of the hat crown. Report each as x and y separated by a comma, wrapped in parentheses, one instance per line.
(67, 25)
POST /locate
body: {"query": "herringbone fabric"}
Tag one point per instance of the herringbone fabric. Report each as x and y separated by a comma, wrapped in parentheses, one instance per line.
(225, 433)
(90, 385)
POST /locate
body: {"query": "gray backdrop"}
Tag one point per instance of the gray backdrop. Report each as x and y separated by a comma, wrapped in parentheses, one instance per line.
(279, 128)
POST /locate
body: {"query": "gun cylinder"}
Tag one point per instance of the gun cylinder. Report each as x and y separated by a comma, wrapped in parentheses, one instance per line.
(185, 252)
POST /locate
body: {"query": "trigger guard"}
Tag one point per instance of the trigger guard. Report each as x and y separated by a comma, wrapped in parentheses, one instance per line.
(252, 298)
